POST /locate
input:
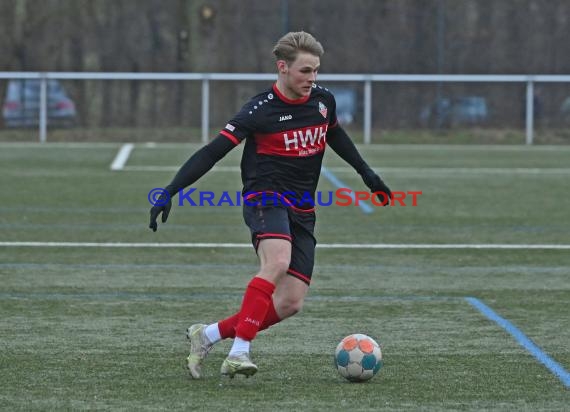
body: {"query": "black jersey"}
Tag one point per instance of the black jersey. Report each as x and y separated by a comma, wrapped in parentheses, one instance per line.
(285, 142)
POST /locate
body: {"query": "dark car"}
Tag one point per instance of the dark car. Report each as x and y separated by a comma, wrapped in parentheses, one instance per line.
(22, 104)
(446, 112)
(346, 104)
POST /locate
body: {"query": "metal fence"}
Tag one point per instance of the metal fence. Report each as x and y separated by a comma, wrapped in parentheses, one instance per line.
(366, 80)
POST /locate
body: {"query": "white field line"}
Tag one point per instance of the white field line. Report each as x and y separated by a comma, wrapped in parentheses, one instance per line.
(466, 147)
(373, 146)
(122, 156)
(57, 145)
(488, 246)
(412, 170)
(405, 147)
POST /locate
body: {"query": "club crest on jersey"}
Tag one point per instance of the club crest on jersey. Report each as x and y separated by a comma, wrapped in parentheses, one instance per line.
(323, 109)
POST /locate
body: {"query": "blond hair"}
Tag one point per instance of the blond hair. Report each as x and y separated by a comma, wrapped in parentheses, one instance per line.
(288, 46)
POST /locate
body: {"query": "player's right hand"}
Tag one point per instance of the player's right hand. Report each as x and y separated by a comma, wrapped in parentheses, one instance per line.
(162, 205)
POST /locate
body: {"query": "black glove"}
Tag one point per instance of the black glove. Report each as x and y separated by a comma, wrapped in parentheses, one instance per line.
(162, 205)
(375, 184)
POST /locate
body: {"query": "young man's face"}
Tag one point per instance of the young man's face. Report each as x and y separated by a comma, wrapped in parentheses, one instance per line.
(297, 77)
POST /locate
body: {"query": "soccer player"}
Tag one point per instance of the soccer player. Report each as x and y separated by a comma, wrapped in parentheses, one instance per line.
(286, 129)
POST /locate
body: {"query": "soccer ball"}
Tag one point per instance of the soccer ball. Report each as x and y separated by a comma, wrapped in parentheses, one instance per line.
(358, 357)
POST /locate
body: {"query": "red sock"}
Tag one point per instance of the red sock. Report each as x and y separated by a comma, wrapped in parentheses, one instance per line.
(256, 302)
(271, 317)
(227, 326)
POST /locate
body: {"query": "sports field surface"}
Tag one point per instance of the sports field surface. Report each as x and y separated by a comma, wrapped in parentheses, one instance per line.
(468, 292)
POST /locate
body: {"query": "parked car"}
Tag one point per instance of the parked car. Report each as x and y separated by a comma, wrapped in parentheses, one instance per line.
(22, 104)
(445, 112)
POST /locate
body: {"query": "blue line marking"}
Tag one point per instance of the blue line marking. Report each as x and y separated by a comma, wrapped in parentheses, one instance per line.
(366, 208)
(521, 338)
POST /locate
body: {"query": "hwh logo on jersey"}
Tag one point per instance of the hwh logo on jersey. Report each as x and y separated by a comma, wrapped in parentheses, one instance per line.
(311, 137)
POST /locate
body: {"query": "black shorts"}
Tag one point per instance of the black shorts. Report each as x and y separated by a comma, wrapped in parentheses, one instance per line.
(282, 222)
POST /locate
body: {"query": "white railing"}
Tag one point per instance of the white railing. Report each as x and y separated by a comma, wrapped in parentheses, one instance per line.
(366, 79)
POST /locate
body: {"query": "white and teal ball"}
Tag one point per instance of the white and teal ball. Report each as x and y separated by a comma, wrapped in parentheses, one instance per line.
(358, 357)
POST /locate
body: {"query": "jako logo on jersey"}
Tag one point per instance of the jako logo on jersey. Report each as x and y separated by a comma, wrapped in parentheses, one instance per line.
(323, 109)
(285, 117)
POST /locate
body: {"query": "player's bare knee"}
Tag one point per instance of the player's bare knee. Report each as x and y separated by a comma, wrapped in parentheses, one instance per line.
(296, 306)
(277, 266)
(290, 306)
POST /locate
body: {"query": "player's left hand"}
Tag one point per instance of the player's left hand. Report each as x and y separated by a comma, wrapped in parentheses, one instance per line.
(163, 206)
(376, 184)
